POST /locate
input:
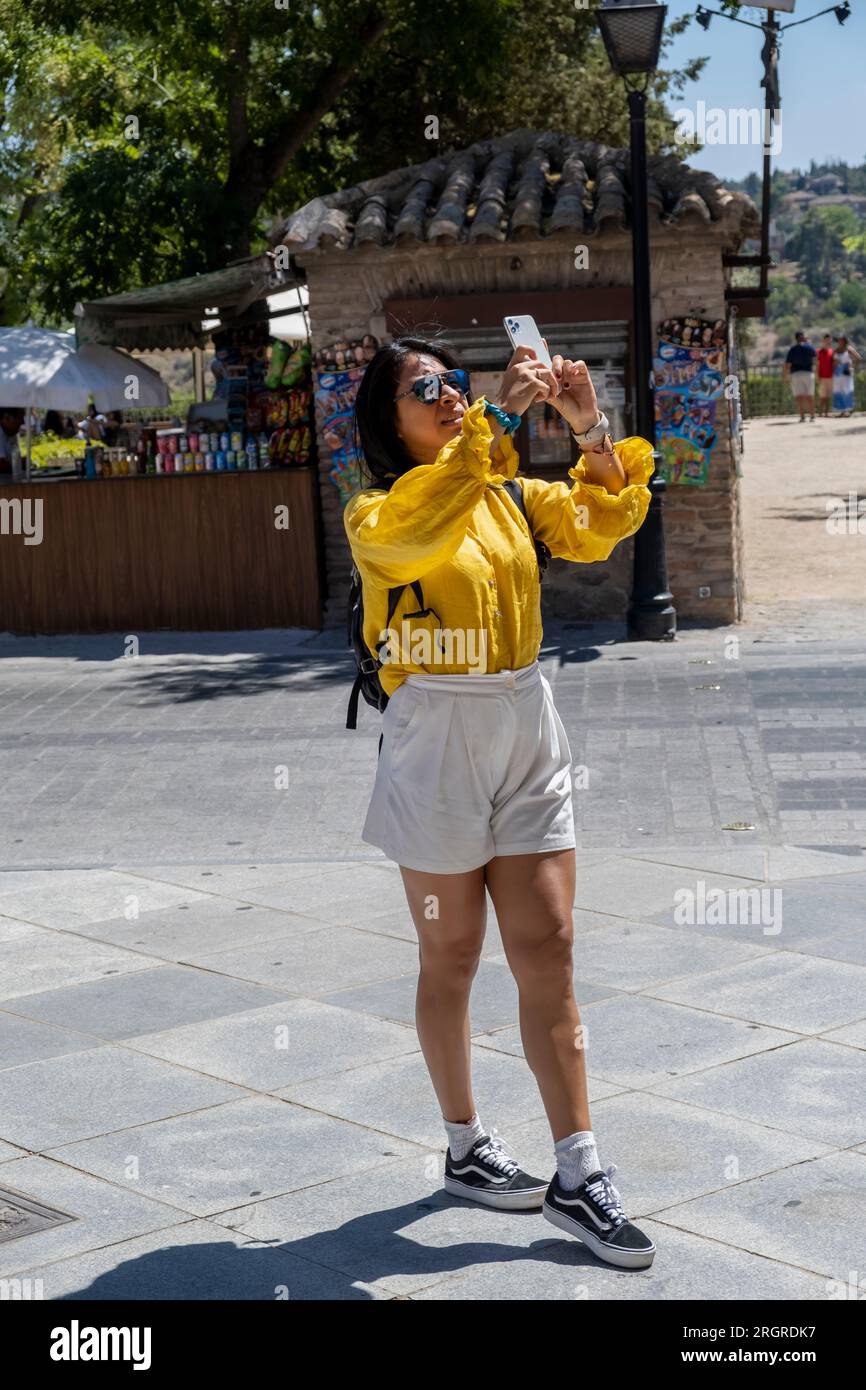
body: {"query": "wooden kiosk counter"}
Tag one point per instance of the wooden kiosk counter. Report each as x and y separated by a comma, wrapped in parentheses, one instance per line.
(181, 552)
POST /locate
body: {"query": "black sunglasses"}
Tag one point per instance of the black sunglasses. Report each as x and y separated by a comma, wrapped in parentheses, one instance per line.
(428, 388)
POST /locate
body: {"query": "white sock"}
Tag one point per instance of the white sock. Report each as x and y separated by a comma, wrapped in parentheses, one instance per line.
(576, 1158)
(462, 1137)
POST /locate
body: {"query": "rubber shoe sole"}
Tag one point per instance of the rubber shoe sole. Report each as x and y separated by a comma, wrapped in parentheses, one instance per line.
(516, 1199)
(623, 1259)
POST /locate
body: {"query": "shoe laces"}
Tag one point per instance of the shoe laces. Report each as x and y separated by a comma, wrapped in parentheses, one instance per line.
(602, 1191)
(493, 1150)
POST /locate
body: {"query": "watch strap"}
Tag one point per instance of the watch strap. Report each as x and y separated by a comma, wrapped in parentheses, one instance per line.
(595, 433)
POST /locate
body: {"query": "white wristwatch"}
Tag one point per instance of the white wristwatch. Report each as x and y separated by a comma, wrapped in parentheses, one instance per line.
(595, 434)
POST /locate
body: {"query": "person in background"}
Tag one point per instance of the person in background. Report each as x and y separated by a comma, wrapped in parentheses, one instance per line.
(113, 426)
(221, 382)
(92, 427)
(844, 359)
(798, 370)
(825, 375)
(53, 423)
(11, 420)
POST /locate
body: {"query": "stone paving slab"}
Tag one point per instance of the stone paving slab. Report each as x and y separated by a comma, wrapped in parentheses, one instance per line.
(131, 1005)
(268, 1048)
(36, 960)
(24, 1040)
(811, 1214)
(318, 963)
(811, 1087)
(71, 1097)
(205, 1162)
(187, 932)
(780, 990)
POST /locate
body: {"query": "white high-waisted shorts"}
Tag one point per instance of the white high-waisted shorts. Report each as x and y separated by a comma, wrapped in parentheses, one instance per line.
(471, 766)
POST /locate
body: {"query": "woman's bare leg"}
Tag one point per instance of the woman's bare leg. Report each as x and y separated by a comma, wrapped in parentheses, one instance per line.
(450, 916)
(533, 895)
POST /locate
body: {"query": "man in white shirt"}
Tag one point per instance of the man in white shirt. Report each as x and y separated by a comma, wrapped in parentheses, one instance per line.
(11, 420)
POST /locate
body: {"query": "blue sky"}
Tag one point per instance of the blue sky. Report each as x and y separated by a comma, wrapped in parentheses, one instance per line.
(821, 79)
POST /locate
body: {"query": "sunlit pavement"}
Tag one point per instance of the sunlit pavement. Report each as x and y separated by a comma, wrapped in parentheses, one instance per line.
(207, 1036)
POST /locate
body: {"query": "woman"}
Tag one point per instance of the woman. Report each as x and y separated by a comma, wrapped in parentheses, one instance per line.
(844, 359)
(473, 783)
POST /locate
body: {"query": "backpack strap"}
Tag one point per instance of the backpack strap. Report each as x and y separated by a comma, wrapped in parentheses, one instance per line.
(352, 711)
(515, 492)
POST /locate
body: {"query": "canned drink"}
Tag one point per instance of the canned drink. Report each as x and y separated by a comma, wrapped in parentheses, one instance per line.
(220, 460)
(237, 443)
(209, 462)
(193, 443)
(225, 442)
(172, 444)
(231, 461)
(183, 445)
(214, 443)
(188, 462)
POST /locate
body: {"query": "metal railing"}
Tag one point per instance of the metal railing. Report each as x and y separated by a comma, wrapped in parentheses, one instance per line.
(764, 391)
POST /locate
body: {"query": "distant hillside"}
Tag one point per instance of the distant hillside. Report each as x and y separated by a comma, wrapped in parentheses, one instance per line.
(818, 240)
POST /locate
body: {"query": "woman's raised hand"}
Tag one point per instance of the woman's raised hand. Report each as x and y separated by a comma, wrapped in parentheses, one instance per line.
(525, 381)
(577, 401)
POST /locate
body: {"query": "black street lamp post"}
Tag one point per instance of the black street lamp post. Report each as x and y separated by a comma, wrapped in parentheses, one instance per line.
(632, 31)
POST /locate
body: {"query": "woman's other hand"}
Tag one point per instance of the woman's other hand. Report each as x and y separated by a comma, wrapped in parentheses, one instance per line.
(526, 381)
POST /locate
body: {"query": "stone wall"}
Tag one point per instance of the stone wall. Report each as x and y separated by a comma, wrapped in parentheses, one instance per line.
(348, 291)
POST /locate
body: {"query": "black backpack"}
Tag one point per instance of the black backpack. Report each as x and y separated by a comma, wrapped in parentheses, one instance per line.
(367, 682)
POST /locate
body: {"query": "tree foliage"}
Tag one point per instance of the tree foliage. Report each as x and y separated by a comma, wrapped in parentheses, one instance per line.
(142, 140)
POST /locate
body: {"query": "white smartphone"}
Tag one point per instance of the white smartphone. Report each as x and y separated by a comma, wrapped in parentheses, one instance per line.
(523, 332)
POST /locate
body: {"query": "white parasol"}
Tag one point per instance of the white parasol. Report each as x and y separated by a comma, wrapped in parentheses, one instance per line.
(42, 369)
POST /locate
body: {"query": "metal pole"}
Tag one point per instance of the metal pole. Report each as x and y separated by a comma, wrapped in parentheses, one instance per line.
(772, 103)
(651, 614)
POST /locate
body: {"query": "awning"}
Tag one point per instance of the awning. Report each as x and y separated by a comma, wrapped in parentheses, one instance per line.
(171, 315)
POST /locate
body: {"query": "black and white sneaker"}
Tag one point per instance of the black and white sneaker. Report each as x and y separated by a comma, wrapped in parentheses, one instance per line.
(490, 1175)
(593, 1213)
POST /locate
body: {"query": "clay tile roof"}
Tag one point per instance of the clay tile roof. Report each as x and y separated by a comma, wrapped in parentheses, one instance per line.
(523, 186)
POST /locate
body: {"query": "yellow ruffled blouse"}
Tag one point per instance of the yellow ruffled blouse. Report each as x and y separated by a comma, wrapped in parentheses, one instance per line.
(452, 525)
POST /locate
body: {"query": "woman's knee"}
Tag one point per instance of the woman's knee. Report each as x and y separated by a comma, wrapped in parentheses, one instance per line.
(543, 959)
(450, 962)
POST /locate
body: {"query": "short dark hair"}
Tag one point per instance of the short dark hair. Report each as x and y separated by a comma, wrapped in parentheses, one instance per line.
(375, 416)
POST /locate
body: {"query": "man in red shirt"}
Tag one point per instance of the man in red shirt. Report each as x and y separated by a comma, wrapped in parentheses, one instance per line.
(825, 375)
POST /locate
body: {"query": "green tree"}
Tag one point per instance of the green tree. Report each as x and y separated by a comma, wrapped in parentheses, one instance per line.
(818, 244)
(146, 139)
(851, 299)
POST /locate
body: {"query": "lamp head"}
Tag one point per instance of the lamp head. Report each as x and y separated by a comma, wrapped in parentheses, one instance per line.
(704, 17)
(632, 33)
(842, 12)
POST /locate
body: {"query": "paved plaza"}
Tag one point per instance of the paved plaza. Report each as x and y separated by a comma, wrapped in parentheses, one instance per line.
(208, 1061)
